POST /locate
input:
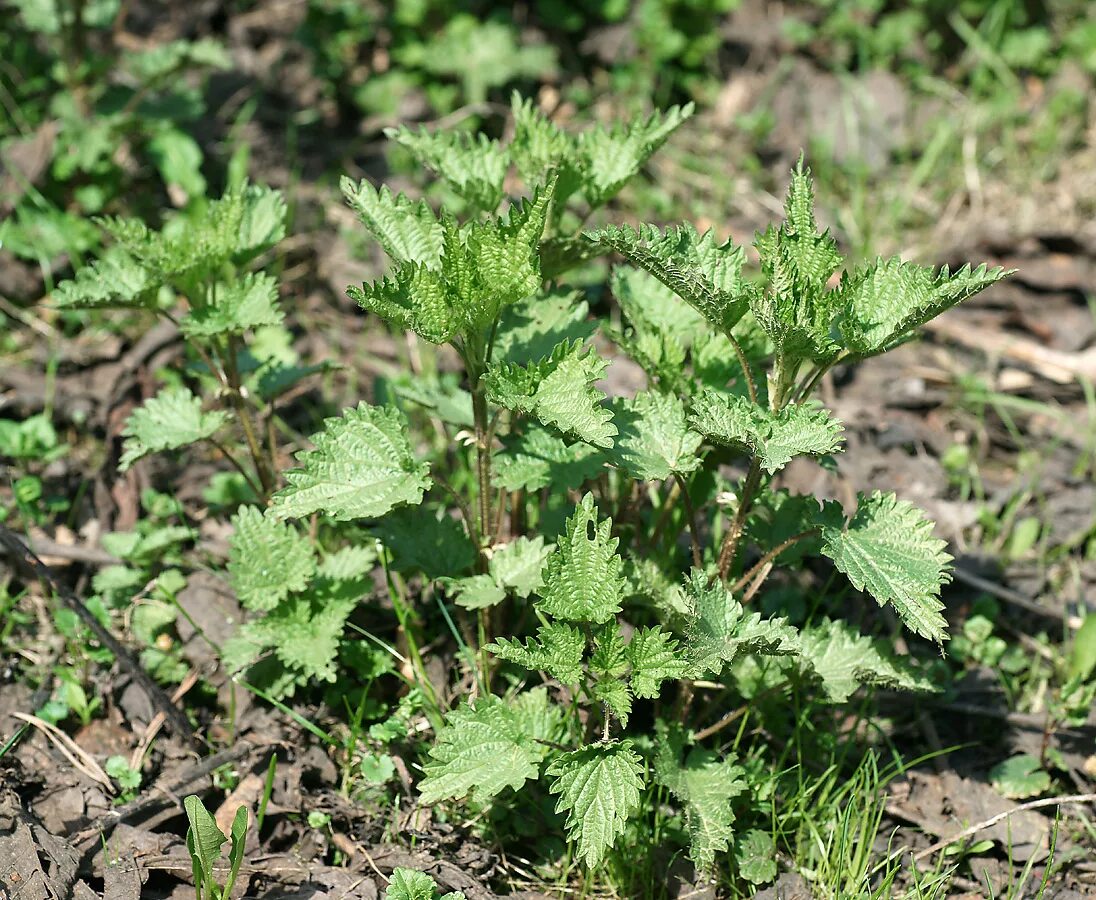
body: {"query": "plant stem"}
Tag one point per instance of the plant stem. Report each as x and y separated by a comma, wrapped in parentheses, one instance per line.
(266, 477)
(734, 534)
(694, 536)
(237, 465)
(483, 461)
(751, 387)
(770, 556)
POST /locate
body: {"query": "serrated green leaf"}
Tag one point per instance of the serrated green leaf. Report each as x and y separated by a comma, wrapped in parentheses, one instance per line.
(719, 630)
(705, 784)
(408, 231)
(519, 565)
(844, 660)
(304, 630)
(583, 580)
(888, 550)
(475, 591)
(755, 855)
(428, 540)
(616, 696)
(559, 391)
(115, 279)
(268, 559)
(882, 302)
(538, 458)
(609, 656)
(362, 466)
(655, 657)
(775, 438)
(473, 165)
(235, 307)
(557, 649)
(407, 884)
(532, 328)
(703, 273)
(489, 746)
(598, 788)
(168, 421)
(653, 439)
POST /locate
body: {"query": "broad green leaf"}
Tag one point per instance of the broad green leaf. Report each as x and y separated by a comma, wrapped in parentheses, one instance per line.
(203, 838)
(408, 231)
(705, 274)
(755, 855)
(532, 328)
(653, 439)
(775, 438)
(557, 649)
(598, 788)
(428, 540)
(407, 884)
(115, 279)
(583, 580)
(475, 591)
(704, 784)
(489, 746)
(538, 458)
(235, 307)
(655, 657)
(168, 421)
(1082, 655)
(652, 306)
(719, 630)
(844, 660)
(616, 696)
(304, 631)
(1020, 777)
(539, 146)
(267, 560)
(888, 550)
(559, 391)
(519, 565)
(609, 656)
(474, 166)
(362, 466)
(882, 302)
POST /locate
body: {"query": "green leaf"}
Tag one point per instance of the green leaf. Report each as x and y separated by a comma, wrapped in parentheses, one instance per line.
(235, 307)
(884, 301)
(755, 855)
(179, 158)
(559, 391)
(532, 328)
(599, 790)
(705, 784)
(557, 649)
(844, 660)
(538, 458)
(653, 439)
(888, 550)
(489, 746)
(115, 279)
(655, 657)
(719, 630)
(407, 884)
(268, 560)
(203, 839)
(616, 696)
(583, 581)
(1020, 777)
(238, 833)
(1082, 655)
(168, 421)
(703, 273)
(539, 147)
(775, 438)
(428, 540)
(519, 565)
(408, 231)
(475, 591)
(609, 657)
(362, 466)
(474, 166)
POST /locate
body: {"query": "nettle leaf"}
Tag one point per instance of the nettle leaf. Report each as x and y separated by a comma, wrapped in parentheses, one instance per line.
(703, 273)
(427, 540)
(655, 657)
(584, 581)
(719, 630)
(168, 421)
(408, 884)
(115, 279)
(775, 438)
(474, 166)
(599, 789)
(609, 157)
(755, 856)
(475, 591)
(234, 307)
(362, 466)
(844, 660)
(884, 301)
(650, 305)
(888, 550)
(559, 391)
(609, 657)
(538, 458)
(268, 559)
(653, 439)
(408, 231)
(491, 745)
(532, 328)
(539, 146)
(557, 649)
(704, 783)
(519, 565)
(616, 696)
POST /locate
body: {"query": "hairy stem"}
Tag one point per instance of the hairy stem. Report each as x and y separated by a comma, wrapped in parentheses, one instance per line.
(729, 548)
(694, 535)
(751, 386)
(266, 477)
(483, 460)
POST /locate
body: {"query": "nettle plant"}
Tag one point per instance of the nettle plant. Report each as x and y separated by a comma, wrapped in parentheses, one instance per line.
(598, 555)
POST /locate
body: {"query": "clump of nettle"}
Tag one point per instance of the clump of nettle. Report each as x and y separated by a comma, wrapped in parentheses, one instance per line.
(598, 556)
